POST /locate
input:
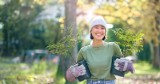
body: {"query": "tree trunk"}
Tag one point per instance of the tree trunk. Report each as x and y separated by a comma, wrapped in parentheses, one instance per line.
(155, 55)
(70, 25)
(156, 49)
(5, 41)
(156, 60)
(70, 22)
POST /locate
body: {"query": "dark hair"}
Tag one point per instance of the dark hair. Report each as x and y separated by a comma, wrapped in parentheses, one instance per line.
(91, 37)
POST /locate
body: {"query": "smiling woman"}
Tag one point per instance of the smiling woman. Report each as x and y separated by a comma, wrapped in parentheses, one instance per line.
(98, 55)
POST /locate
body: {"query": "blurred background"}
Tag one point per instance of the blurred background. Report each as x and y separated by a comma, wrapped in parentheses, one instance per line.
(39, 39)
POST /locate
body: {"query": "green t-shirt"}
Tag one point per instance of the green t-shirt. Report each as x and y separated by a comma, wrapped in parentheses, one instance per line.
(99, 59)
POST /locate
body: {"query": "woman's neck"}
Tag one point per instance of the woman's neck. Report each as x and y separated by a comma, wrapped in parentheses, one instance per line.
(97, 43)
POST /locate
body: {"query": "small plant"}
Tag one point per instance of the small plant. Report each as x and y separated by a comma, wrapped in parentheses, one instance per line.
(64, 47)
(129, 41)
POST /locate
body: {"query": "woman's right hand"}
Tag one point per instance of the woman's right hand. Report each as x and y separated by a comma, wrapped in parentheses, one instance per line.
(78, 70)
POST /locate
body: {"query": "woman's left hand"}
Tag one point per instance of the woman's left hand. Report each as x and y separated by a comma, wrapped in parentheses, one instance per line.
(124, 64)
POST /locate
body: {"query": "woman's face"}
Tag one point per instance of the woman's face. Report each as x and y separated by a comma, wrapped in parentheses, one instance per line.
(98, 32)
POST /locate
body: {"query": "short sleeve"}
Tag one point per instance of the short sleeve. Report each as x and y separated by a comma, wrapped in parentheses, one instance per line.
(80, 55)
(117, 50)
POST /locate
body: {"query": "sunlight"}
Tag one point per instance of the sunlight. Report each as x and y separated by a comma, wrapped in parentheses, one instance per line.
(1, 25)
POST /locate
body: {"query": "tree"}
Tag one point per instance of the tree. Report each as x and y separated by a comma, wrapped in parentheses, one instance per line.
(5, 19)
(70, 22)
(67, 46)
(151, 29)
(134, 13)
(16, 16)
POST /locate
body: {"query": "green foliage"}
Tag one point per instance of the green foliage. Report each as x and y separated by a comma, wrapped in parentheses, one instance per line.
(21, 73)
(129, 41)
(16, 17)
(53, 31)
(39, 68)
(145, 54)
(64, 46)
(147, 68)
(20, 30)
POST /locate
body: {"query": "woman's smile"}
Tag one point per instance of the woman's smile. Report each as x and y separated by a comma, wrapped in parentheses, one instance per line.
(98, 32)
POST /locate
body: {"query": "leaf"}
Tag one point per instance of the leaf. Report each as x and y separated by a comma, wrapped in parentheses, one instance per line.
(129, 41)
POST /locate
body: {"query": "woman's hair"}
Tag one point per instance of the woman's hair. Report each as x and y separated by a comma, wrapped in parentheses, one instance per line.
(91, 37)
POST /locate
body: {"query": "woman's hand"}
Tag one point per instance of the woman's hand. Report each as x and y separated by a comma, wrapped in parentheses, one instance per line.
(78, 70)
(74, 71)
(124, 64)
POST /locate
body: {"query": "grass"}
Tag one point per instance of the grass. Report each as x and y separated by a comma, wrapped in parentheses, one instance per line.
(144, 74)
(43, 72)
(144, 68)
(22, 73)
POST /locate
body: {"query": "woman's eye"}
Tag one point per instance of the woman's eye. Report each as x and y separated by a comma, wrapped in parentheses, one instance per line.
(96, 27)
(103, 27)
(99, 27)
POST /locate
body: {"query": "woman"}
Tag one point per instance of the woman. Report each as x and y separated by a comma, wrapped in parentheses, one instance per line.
(98, 56)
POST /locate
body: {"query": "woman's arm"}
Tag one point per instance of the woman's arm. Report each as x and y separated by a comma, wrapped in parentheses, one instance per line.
(117, 50)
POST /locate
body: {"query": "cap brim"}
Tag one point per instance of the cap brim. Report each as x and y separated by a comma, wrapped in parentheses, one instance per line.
(109, 25)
